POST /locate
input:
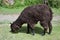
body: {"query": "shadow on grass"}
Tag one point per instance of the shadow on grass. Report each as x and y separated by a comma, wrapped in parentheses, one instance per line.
(38, 30)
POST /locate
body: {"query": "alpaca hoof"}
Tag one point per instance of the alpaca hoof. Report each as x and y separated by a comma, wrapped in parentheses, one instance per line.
(43, 34)
(27, 32)
(49, 33)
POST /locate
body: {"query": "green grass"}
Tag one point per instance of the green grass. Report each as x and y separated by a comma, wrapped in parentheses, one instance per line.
(5, 33)
(3, 11)
(56, 11)
(11, 10)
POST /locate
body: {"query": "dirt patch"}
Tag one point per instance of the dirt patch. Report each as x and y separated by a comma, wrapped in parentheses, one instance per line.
(8, 17)
(56, 18)
(11, 18)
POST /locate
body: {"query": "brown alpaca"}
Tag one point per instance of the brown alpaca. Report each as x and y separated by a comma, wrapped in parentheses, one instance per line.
(31, 15)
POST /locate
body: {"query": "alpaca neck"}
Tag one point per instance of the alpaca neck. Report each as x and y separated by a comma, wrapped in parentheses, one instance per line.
(18, 22)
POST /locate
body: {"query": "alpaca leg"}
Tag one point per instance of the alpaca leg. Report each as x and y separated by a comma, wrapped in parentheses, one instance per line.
(50, 28)
(28, 27)
(44, 24)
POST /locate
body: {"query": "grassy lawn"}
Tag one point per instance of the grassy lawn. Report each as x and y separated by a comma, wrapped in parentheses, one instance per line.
(11, 10)
(56, 11)
(19, 10)
(5, 33)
